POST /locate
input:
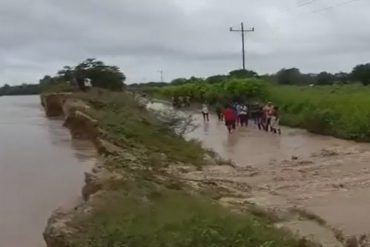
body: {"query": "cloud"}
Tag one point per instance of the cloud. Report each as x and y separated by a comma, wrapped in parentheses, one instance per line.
(181, 37)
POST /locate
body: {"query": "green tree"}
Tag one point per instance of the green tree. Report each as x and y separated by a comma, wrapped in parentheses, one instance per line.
(362, 73)
(342, 77)
(101, 75)
(242, 74)
(179, 81)
(217, 79)
(325, 78)
(194, 79)
(289, 76)
(67, 73)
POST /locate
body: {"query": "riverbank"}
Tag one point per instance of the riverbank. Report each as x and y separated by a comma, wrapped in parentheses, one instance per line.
(137, 195)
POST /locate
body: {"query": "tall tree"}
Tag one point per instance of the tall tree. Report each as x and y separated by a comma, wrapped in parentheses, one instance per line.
(289, 76)
(179, 81)
(217, 79)
(242, 74)
(342, 77)
(101, 75)
(325, 78)
(362, 73)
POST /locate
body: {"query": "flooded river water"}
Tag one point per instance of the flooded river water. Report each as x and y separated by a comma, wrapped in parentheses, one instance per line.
(41, 169)
(323, 175)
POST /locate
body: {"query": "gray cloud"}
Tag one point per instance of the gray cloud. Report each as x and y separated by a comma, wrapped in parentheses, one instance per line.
(182, 37)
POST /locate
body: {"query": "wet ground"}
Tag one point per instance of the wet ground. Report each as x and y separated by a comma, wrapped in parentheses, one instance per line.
(323, 175)
(41, 169)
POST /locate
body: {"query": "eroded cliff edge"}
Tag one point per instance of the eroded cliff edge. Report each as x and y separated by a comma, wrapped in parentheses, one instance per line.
(60, 226)
(133, 158)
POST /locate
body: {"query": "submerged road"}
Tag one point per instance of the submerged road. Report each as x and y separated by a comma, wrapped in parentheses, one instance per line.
(324, 175)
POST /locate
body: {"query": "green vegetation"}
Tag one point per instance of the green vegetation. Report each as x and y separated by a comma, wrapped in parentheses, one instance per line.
(150, 207)
(362, 73)
(173, 218)
(225, 92)
(127, 123)
(70, 78)
(341, 111)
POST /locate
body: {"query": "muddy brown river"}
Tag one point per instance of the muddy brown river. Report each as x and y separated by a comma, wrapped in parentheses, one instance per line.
(41, 169)
(322, 175)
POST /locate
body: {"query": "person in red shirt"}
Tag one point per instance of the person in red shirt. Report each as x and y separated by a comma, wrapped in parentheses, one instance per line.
(230, 118)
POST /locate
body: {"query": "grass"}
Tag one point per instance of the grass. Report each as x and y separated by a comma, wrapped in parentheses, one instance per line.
(131, 125)
(341, 111)
(146, 211)
(164, 218)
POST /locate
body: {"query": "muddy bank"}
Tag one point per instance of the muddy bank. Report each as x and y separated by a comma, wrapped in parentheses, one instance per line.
(326, 177)
(81, 126)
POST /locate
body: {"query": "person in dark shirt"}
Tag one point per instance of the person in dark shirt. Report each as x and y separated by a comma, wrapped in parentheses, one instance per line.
(260, 118)
(219, 113)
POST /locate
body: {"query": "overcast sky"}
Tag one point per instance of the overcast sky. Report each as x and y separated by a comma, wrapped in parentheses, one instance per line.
(181, 37)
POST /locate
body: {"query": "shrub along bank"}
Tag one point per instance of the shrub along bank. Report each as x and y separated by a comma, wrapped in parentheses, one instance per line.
(222, 92)
(149, 207)
(341, 111)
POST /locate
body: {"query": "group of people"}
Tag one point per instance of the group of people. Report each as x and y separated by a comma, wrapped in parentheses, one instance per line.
(265, 117)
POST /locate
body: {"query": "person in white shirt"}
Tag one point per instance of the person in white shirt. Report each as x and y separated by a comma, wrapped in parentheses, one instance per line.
(87, 83)
(243, 115)
(205, 112)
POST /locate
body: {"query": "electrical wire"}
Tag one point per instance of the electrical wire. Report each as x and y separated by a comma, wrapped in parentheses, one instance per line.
(333, 6)
(302, 4)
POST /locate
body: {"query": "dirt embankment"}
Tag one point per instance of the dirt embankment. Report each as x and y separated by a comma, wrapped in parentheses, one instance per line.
(237, 195)
(60, 225)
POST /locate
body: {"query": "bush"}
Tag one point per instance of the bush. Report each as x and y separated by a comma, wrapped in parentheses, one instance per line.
(232, 89)
(339, 111)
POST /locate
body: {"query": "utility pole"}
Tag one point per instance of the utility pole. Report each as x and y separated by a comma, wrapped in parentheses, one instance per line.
(161, 72)
(243, 31)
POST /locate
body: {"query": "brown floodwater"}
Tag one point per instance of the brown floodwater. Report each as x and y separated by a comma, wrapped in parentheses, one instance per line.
(324, 175)
(41, 169)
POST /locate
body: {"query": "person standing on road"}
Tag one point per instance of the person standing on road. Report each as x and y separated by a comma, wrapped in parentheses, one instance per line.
(243, 115)
(275, 121)
(230, 118)
(218, 109)
(205, 112)
(237, 109)
(260, 118)
(268, 111)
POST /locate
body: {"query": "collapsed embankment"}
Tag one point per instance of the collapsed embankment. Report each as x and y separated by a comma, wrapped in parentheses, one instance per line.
(81, 125)
(138, 193)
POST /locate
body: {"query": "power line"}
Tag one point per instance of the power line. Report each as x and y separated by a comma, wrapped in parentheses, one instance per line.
(333, 6)
(302, 4)
(242, 31)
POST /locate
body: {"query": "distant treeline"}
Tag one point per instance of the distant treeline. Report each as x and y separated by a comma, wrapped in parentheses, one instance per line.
(24, 89)
(290, 76)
